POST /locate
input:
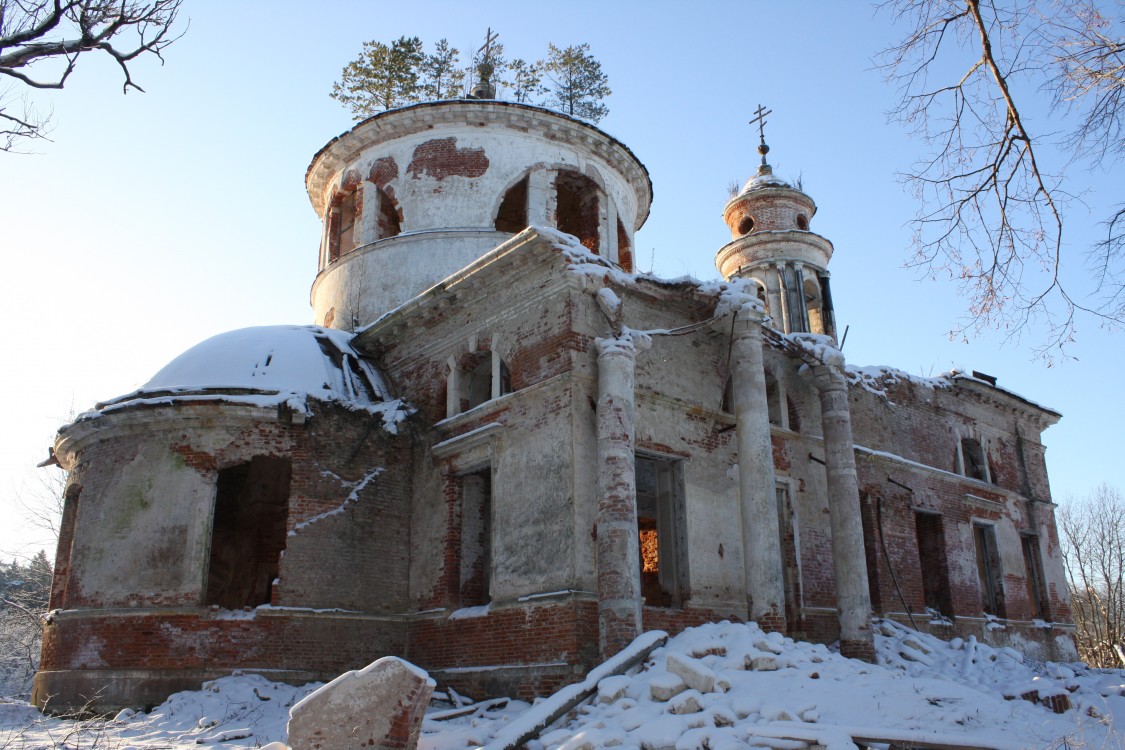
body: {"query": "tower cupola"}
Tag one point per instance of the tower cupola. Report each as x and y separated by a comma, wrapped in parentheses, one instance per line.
(412, 195)
(772, 245)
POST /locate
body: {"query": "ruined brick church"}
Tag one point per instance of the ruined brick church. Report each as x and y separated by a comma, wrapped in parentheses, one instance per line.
(501, 453)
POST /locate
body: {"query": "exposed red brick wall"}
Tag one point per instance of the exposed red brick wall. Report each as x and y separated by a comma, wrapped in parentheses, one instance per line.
(440, 158)
(61, 574)
(383, 171)
(624, 249)
(539, 634)
(577, 208)
(675, 621)
(768, 214)
(326, 644)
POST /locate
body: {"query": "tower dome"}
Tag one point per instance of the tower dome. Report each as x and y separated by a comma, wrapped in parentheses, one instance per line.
(771, 244)
(409, 196)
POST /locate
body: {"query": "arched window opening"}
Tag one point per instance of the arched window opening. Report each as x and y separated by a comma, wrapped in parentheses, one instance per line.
(345, 229)
(974, 463)
(476, 384)
(505, 380)
(762, 297)
(727, 406)
(577, 208)
(389, 224)
(248, 532)
(512, 214)
(793, 414)
(745, 225)
(624, 249)
(814, 306)
(773, 399)
(802, 222)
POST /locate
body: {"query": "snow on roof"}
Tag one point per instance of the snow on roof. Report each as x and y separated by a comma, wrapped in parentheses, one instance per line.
(269, 366)
(764, 180)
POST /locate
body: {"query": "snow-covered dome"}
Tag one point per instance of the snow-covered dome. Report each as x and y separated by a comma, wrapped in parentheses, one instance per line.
(266, 365)
(763, 179)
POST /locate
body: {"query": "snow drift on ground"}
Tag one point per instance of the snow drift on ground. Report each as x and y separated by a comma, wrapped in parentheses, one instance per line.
(765, 691)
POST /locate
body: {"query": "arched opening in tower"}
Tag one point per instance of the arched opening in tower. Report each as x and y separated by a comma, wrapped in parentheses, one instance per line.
(762, 297)
(389, 220)
(624, 248)
(342, 224)
(577, 208)
(815, 307)
(512, 215)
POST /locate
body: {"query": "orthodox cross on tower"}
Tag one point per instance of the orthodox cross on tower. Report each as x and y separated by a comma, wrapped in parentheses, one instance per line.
(490, 36)
(486, 67)
(760, 117)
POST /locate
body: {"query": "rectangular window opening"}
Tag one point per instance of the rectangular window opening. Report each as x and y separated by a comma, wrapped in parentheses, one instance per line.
(660, 527)
(248, 532)
(975, 463)
(988, 570)
(929, 529)
(476, 537)
(1033, 575)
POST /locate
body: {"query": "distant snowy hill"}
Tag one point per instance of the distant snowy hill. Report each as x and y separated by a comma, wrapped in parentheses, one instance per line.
(749, 689)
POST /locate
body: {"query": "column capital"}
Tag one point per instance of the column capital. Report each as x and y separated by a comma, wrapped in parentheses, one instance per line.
(830, 376)
(628, 344)
(748, 317)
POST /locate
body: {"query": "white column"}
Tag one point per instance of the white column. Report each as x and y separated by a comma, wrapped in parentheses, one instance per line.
(853, 599)
(617, 547)
(538, 196)
(761, 540)
(610, 245)
(799, 296)
(785, 316)
(369, 217)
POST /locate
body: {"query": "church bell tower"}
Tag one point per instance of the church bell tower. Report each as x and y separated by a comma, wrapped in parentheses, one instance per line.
(772, 245)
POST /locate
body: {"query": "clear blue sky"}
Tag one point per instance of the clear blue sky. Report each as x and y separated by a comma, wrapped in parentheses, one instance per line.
(152, 221)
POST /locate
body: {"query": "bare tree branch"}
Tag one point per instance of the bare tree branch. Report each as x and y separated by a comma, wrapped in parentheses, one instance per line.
(41, 42)
(1091, 533)
(991, 216)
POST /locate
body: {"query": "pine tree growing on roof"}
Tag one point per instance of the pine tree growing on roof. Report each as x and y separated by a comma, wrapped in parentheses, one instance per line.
(576, 83)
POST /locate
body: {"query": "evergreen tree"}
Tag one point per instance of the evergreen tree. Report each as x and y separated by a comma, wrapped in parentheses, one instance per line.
(525, 80)
(441, 78)
(382, 77)
(388, 76)
(577, 84)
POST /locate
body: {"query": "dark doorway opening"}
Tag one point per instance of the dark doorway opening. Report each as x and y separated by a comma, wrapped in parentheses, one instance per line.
(929, 529)
(248, 532)
(660, 527)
